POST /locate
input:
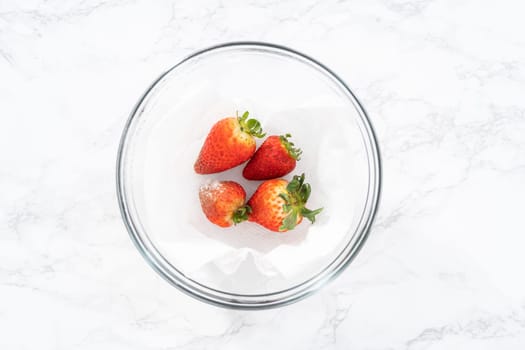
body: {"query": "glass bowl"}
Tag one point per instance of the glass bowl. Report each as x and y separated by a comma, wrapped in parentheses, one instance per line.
(247, 266)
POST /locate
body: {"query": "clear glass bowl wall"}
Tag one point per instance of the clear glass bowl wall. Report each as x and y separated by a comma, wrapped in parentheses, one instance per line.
(247, 266)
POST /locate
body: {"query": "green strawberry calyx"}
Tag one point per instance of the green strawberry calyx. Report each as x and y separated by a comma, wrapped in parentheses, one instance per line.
(250, 126)
(294, 152)
(295, 197)
(241, 214)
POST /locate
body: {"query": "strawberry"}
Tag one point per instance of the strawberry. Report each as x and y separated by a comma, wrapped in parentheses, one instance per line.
(279, 205)
(229, 143)
(276, 157)
(223, 203)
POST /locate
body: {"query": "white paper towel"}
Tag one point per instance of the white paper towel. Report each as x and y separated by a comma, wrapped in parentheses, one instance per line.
(248, 258)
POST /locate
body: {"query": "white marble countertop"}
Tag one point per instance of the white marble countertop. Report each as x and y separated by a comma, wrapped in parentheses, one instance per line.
(444, 84)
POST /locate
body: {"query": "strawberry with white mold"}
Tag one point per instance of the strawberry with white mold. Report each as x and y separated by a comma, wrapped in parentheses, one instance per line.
(224, 203)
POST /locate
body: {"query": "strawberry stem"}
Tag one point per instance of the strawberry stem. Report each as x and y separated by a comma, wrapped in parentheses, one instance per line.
(294, 152)
(250, 126)
(295, 199)
(241, 214)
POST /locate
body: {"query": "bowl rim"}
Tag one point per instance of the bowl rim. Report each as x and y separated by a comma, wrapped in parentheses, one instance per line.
(251, 301)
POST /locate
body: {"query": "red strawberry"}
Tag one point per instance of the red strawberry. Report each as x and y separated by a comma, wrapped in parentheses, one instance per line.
(276, 157)
(229, 143)
(279, 205)
(223, 203)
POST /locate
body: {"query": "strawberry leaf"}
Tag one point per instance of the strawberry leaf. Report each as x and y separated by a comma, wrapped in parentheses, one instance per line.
(250, 126)
(310, 214)
(241, 214)
(294, 185)
(289, 222)
(296, 196)
(304, 192)
(293, 151)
